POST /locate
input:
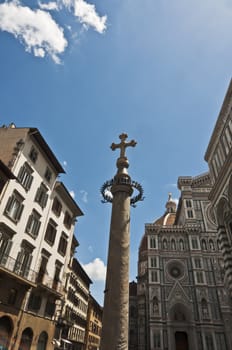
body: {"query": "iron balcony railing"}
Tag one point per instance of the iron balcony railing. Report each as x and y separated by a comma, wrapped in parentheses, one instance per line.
(44, 279)
(12, 265)
(22, 270)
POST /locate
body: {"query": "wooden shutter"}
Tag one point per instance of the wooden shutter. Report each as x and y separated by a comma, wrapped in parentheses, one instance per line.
(21, 173)
(28, 227)
(9, 204)
(44, 200)
(29, 182)
(19, 212)
(28, 265)
(37, 196)
(38, 224)
(19, 261)
(6, 252)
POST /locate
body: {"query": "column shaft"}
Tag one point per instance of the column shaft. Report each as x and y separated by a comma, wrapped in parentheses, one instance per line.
(116, 303)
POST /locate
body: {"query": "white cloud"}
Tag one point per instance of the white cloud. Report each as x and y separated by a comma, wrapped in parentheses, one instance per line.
(49, 6)
(36, 29)
(86, 14)
(96, 270)
(72, 194)
(84, 196)
(64, 163)
(39, 52)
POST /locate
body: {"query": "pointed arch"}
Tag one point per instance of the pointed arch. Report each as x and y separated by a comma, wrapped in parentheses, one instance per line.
(211, 244)
(173, 244)
(165, 243)
(181, 243)
(222, 209)
(180, 313)
(203, 244)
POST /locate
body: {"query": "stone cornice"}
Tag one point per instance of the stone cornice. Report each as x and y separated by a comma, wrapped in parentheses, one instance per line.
(192, 182)
(189, 228)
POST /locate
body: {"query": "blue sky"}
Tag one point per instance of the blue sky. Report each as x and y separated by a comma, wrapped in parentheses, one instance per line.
(83, 72)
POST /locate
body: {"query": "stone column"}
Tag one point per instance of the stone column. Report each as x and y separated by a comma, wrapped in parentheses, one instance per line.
(116, 302)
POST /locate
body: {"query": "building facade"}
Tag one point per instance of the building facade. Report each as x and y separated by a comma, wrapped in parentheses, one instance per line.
(94, 325)
(182, 301)
(219, 158)
(133, 317)
(37, 220)
(74, 315)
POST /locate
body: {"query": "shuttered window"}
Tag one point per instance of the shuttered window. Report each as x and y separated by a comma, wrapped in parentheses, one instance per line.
(42, 196)
(14, 207)
(23, 262)
(50, 234)
(25, 176)
(56, 206)
(5, 247)
(33, 224)
(63, 244)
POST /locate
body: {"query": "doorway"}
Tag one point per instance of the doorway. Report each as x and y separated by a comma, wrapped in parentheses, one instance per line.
(181, 339)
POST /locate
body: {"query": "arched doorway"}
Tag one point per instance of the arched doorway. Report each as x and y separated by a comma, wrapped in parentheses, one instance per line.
(181, 340)
(6, 329)
(26, 339)
(42, 342)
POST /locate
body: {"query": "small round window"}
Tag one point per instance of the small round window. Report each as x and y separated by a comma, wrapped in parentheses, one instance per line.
(175, 272)
(176, 269)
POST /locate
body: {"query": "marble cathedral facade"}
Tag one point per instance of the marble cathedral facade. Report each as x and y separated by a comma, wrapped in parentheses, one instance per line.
(185, 258)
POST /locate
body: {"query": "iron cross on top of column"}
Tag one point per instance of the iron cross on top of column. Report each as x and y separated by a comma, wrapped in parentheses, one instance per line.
(123, 144)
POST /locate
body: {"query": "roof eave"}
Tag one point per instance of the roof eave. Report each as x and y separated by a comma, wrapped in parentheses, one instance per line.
(34, 133)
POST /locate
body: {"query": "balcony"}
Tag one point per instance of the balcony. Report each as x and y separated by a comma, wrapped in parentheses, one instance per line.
(53, 286)
(17, 271)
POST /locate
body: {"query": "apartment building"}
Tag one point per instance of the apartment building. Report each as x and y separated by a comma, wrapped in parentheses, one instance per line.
(94, 325)
(37, 220)
(75, 307)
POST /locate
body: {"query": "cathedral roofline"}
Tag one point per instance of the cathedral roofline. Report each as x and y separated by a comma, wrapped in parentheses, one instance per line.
(219, 123)
(195, 181)
(172, 228)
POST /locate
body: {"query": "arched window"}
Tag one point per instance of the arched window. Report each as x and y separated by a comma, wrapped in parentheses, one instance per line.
(203, 244)
(173, 244)
(211, 244)
(26, 339)
(165, 244)
(6, 329)
(42, 342)
(181, 244)
(204, 309)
